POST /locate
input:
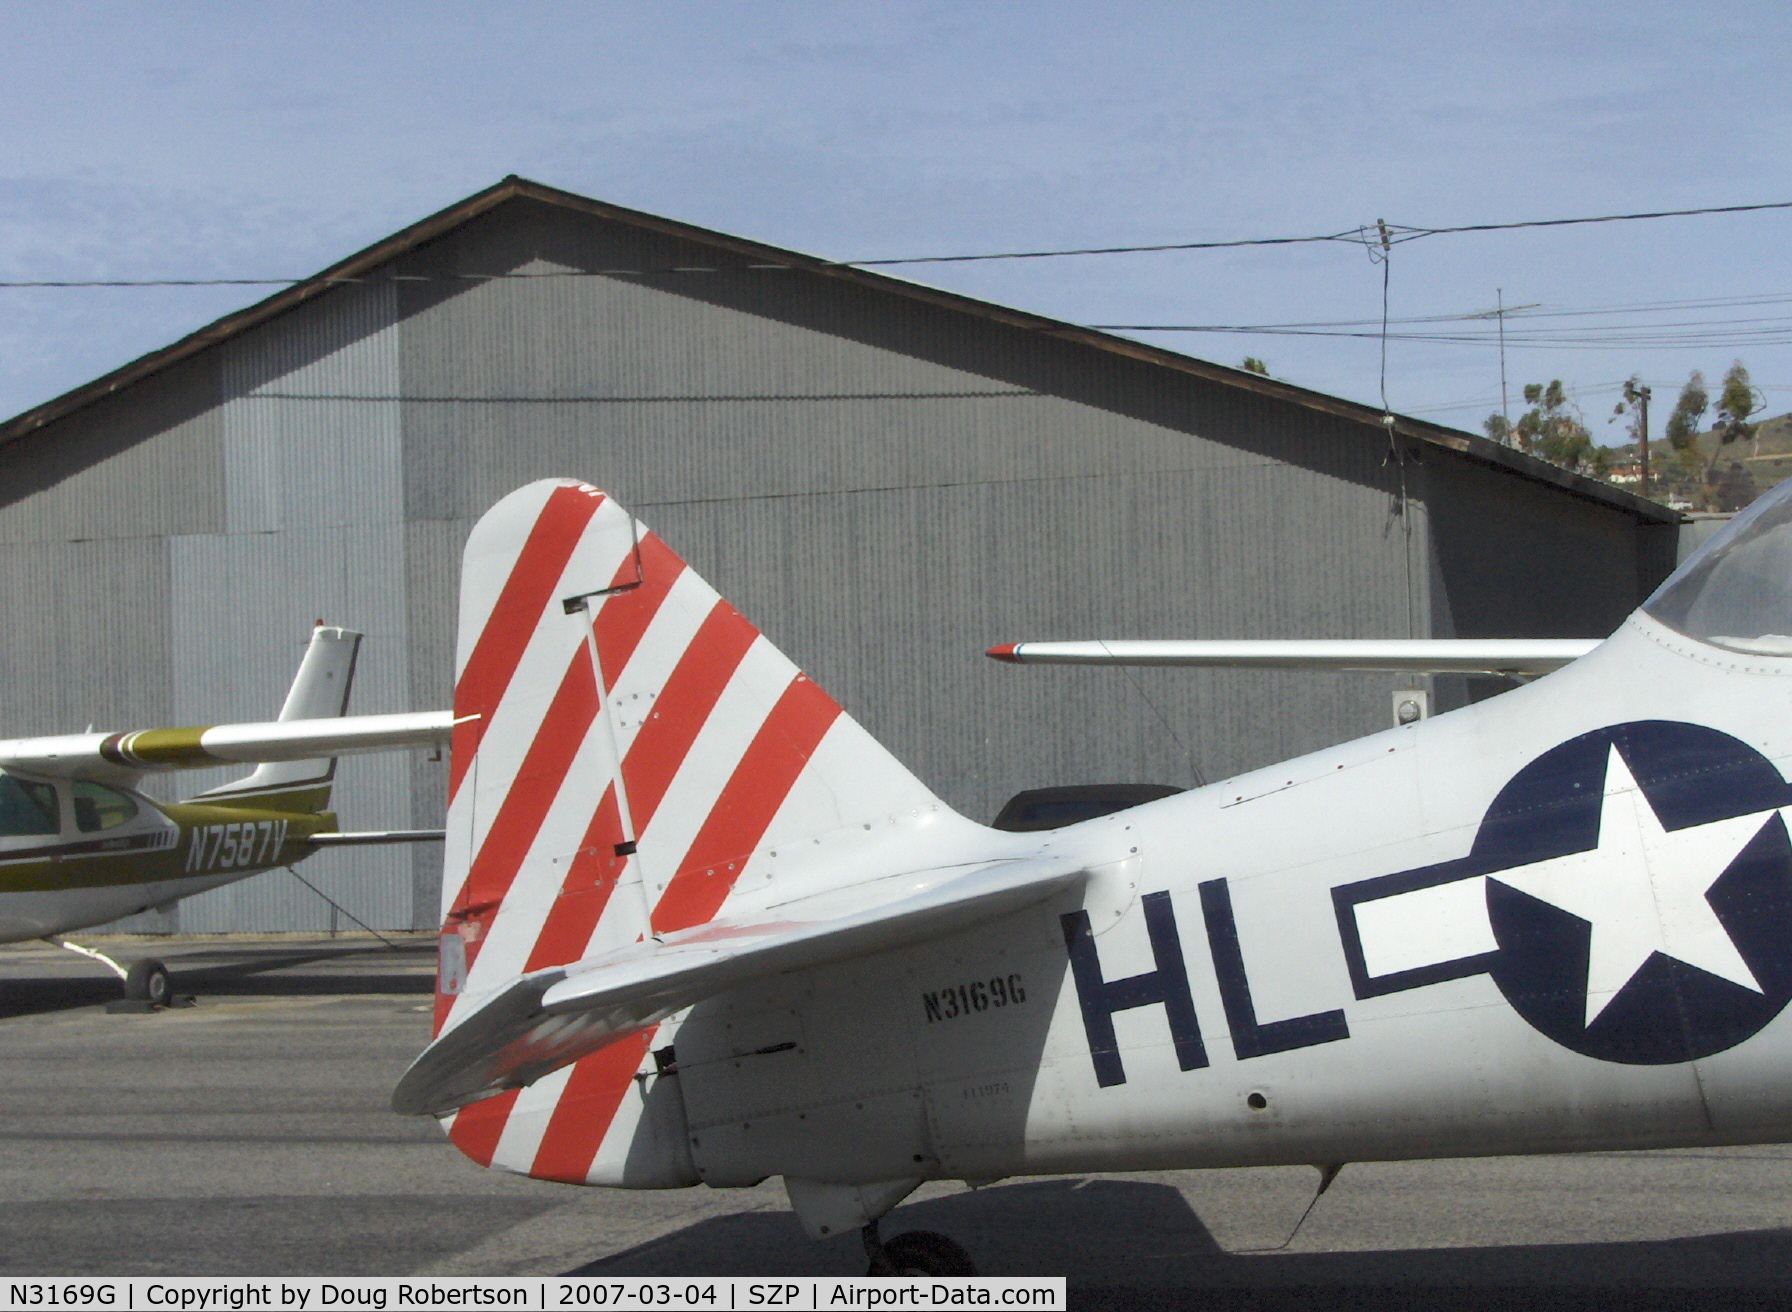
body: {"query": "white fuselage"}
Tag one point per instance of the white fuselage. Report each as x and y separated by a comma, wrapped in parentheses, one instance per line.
(1351, 945)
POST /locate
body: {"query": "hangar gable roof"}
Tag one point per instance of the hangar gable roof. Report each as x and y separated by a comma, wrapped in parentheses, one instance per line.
(360, 265)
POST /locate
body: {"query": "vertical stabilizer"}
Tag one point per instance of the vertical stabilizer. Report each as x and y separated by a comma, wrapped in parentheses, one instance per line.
(641, 755)
(319, 691)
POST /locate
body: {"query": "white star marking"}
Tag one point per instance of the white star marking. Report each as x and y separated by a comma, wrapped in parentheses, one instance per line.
(1642, 889)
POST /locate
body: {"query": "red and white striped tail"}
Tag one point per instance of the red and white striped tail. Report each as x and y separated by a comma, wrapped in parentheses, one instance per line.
(639, 749)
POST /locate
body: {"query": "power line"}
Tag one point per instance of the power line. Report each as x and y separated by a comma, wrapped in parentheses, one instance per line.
(1479, 316)
(1364, 234)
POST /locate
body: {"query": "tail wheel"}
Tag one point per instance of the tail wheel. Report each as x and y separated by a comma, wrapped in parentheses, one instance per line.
(925, 1253)
(147, 981)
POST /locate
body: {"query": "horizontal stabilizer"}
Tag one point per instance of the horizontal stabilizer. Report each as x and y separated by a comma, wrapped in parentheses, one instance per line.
(1510, 656)
(102, 755)
(545, 1019)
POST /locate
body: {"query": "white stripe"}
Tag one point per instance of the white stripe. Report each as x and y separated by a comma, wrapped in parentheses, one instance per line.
(510, 937)
(1427, 927)
(746, 702)
(490, 555)
(527, 1123)
(535, 892)
(668, 637)
(853, 802)
(613, 1151)
(504, 742)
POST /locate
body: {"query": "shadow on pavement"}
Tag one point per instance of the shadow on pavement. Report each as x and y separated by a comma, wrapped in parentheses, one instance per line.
(265, 1236)
(1131, 1245)
(236, 970)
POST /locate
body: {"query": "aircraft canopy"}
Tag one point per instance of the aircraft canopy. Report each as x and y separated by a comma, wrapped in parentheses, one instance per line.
(1735, 592)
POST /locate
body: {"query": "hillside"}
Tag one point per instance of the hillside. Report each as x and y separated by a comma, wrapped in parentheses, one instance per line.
(1764, 460)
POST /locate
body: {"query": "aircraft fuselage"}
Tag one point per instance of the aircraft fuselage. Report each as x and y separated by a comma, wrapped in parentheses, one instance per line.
(1572, 933)
(86, 867)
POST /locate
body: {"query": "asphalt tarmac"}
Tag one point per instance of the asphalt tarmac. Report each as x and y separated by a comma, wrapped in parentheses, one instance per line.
(249, 1135)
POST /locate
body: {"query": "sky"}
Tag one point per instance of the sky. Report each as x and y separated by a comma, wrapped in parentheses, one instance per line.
(197, 140)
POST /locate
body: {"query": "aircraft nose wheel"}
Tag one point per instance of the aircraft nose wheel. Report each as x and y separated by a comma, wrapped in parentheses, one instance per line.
(147, 981)
(916, 1253)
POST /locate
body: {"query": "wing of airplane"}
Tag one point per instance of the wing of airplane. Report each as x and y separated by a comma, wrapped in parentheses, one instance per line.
(548, 1018)
(1504, 656)
(103, 755)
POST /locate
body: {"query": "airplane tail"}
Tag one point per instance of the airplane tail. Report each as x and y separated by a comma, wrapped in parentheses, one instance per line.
(320, 690)
(642, 757)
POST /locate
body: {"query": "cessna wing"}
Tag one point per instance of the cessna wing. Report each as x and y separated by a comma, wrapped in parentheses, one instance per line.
(1517, 657)
(549, 1018)
(111, 755)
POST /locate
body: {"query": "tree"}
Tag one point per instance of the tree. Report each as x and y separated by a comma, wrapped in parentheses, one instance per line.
(1682, 430)
(1738, 401)
(1552, 428)
(1252, 365)
(1689, 410)
(1735, 403)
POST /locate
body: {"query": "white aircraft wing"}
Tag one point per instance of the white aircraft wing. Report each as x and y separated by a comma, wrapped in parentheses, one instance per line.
(548, 1018)
(105, 755)
(1512, 656)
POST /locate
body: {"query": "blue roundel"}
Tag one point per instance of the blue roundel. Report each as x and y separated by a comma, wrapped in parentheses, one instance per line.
(1667, 1010)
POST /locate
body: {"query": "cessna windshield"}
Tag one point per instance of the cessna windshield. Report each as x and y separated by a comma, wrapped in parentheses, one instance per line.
(1735, 592)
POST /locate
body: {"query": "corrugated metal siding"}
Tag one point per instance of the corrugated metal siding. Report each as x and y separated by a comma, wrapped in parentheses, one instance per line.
(87, 635)
(311, 460)
(1515, 558)
(134, 466)
(885, 514)
(87, 644)
(309, 437)
(247, 601)
(432, 565)
(890, 601)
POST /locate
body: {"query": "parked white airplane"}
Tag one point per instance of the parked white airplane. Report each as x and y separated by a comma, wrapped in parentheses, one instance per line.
(79, 845)
(700, 928)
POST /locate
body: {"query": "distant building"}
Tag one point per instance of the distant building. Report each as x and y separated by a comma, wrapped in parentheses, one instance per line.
(886, 478)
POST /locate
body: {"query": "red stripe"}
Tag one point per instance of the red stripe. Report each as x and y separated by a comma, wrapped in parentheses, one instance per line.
(477, 1126)
(757, 788)
(624, 616)
(754, 792)
(619, 625)
(681, 709)
(584, 894)
(536, 784)
(527, 592)
(585, 1108)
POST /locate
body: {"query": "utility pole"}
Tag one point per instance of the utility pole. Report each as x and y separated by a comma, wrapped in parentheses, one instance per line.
(1642, 406)
(1500, 313)
(1505, 410)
